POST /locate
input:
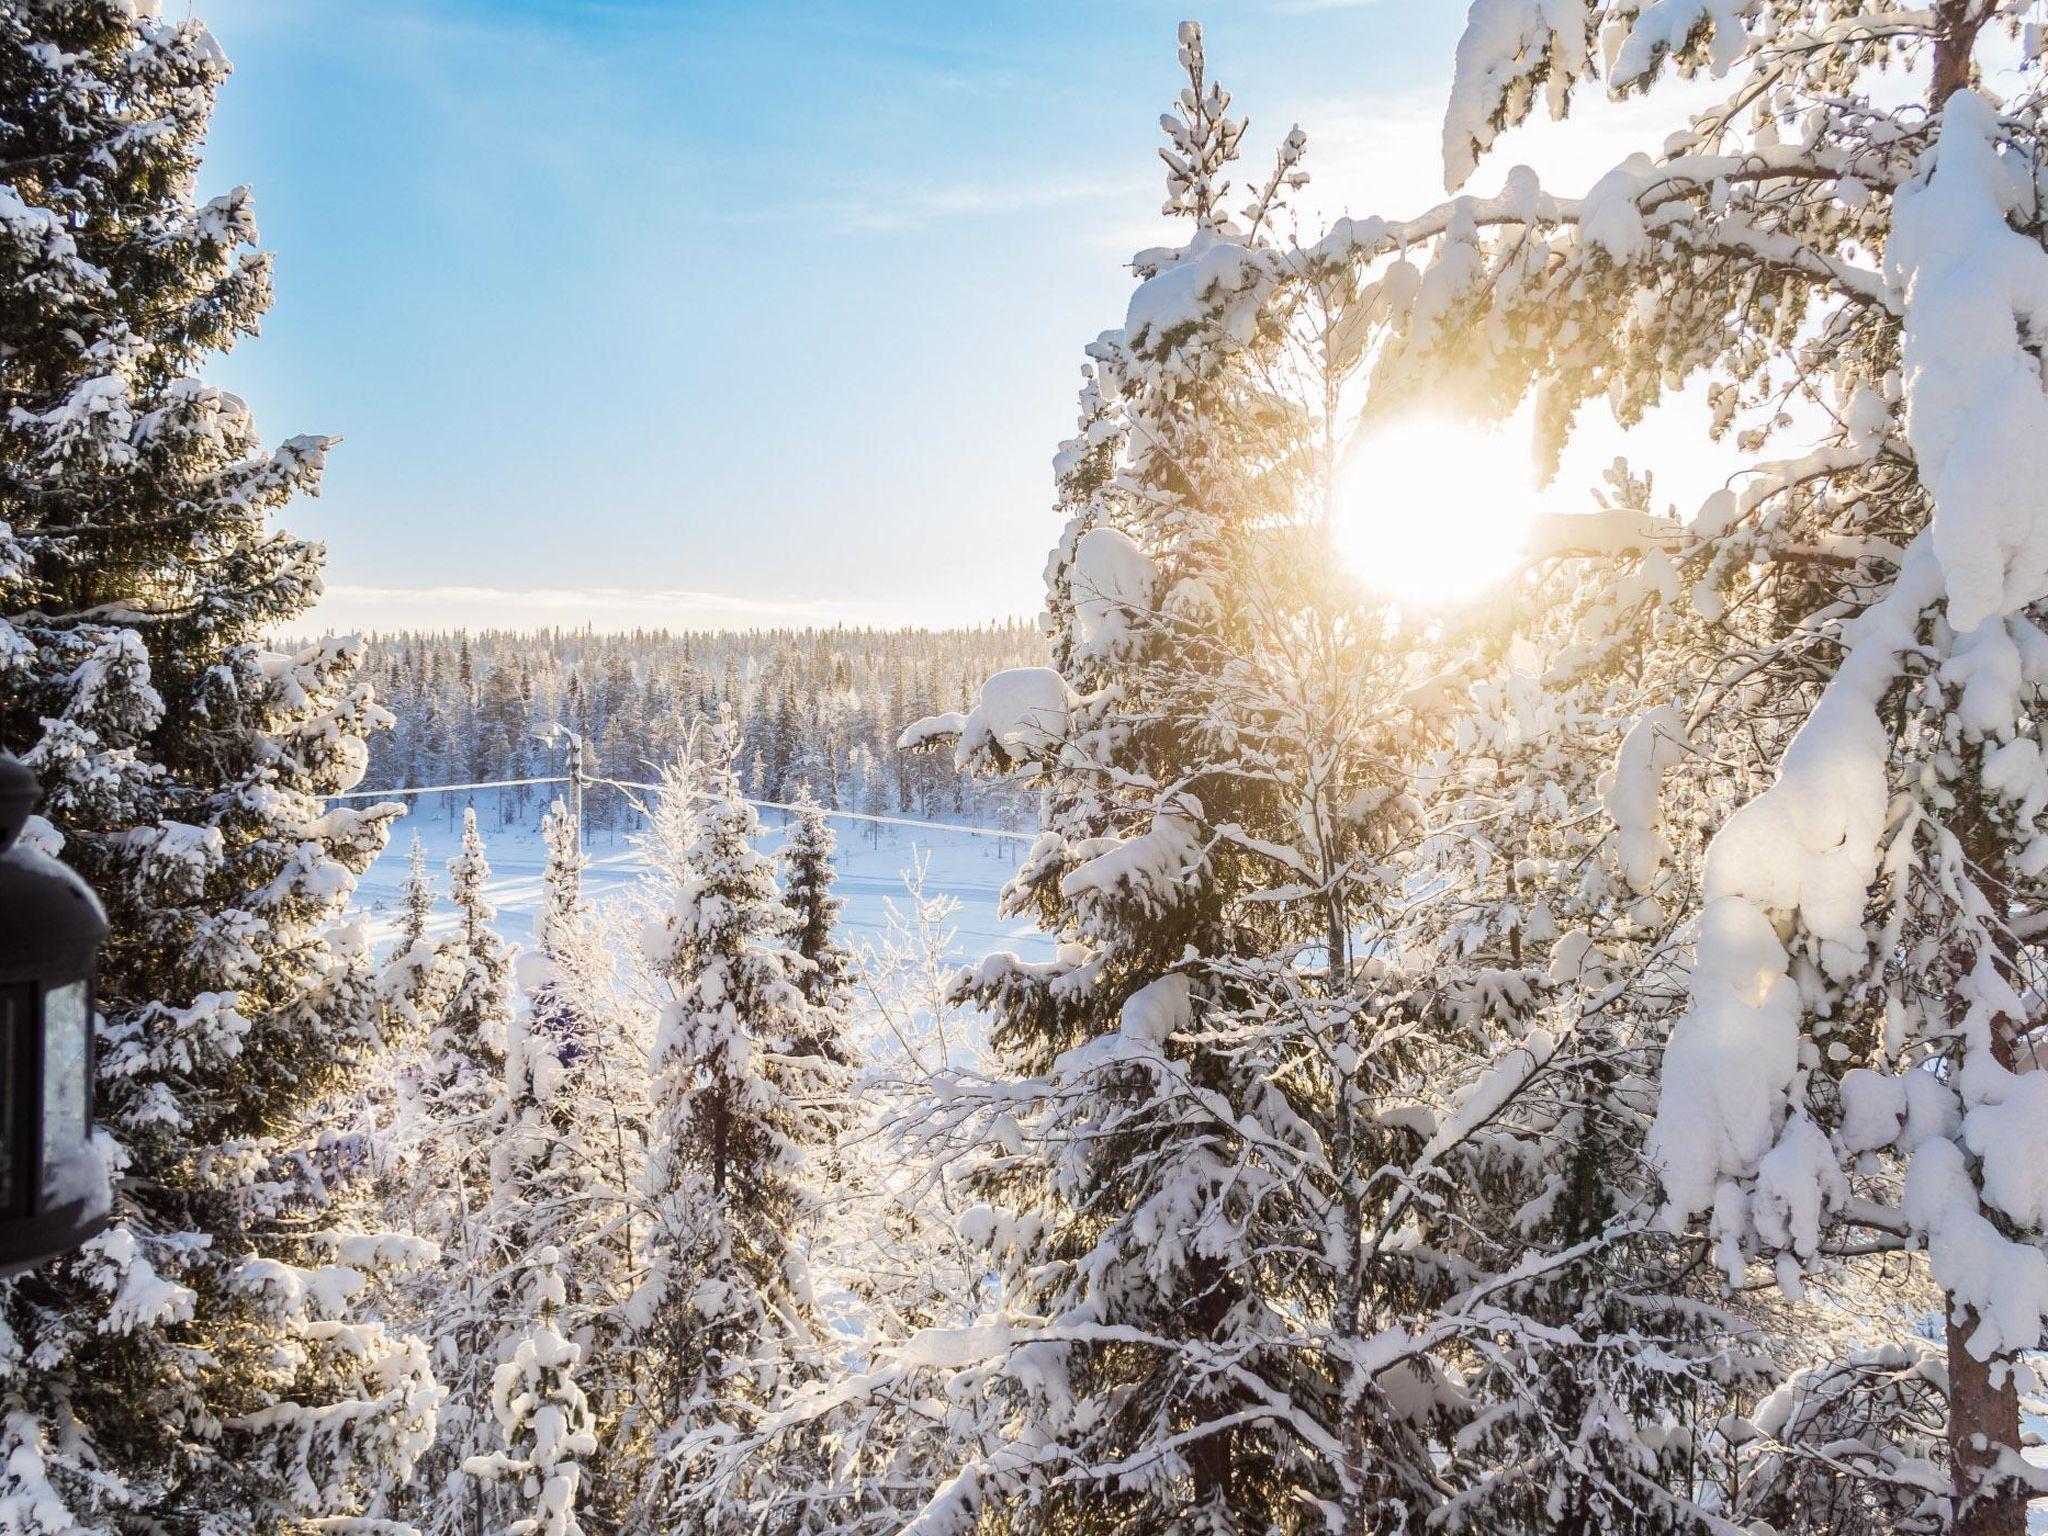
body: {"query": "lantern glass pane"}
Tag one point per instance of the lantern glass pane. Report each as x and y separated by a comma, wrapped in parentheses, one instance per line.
(66, 1022)
(15, 1005)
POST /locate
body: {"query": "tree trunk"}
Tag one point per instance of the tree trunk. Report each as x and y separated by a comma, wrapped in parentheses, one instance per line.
(1983, 1423)
(1956, 24)
(1984, 1409)
(1984, 1404)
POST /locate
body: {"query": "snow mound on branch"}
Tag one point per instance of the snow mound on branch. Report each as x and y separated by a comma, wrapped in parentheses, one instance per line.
(931, 730)
(1797, 1183)
(2011, 1136)
(1488, 84)
(1631, 797)
(1730, 1060)
(1665, 26)
(1806, 848)
(1212, 282)
(1808, 844)
(1154, 1012)
(1873, 1109)
(2005, 1283)
(1611, 219)
(1975, 415)
(1153, 868)
(1023, 712)
(1112, 579)
(1986, 664)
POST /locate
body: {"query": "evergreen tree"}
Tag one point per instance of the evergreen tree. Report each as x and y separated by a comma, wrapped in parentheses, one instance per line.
(726, 1318)
(807, 877)
(543, 1416)
(467, 1045)
(1215, 1327)
(464, 1088)
(198, 1365)
(1313, 1094)
(560, 930)
(415, 977)
(541, 1160)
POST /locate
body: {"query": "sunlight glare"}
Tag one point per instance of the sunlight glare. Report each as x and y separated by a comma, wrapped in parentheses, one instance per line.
(1429, 511)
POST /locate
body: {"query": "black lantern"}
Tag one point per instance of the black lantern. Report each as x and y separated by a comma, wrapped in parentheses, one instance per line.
(54, 1192)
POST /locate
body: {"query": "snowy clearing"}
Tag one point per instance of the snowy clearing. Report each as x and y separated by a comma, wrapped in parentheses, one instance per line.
(873, 861)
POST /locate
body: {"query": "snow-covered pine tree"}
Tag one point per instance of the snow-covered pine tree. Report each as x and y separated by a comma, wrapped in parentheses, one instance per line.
(196, 1366)
(561, 907)
(458, 1123)
(543, 1415)
(1110, 1222)
(1829, 257)
(561, 931)
(466, 1047)
(415, 978)
(741, 1102)
(1199, 1187)
(807, 877)
(563, 1162)
(856, 1443)
(417, 892)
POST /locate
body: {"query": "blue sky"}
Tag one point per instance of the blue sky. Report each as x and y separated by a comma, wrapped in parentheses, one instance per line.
(646, 312)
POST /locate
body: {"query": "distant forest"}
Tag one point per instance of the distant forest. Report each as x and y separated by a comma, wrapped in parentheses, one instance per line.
(816, 707)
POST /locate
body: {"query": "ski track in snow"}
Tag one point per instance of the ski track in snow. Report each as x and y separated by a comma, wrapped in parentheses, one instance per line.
(872, 863)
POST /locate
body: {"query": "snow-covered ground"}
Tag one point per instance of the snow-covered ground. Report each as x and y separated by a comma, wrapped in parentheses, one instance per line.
(873, 862)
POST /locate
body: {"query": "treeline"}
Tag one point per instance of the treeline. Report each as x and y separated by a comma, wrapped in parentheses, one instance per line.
(813, 707)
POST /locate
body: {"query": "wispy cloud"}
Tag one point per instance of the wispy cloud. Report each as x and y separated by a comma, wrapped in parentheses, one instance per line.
(1308, 7)
(910, 207)
(349, 606)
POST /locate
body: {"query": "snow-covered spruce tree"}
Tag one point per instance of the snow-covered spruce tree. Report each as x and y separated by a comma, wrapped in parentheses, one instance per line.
(1822, 259)
(457, 1116)
(466, 1046)
(741, 1101)
(535, 1184)
(559, 927)
(807, 876)
(563, 1158)
(855, 1443)
(542, 1414)
(414, 982)
(562, 937)
(1199, 1187)
(196, 1366)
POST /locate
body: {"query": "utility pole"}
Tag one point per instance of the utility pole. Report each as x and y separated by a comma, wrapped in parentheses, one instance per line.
(561, 735)
(576, 784)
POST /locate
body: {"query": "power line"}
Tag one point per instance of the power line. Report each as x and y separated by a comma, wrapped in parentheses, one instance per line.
(887, 821)
(445, 789)
(770, 805)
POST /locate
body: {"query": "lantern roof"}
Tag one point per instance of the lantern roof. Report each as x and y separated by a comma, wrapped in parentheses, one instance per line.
(52, 919)
(18, 796)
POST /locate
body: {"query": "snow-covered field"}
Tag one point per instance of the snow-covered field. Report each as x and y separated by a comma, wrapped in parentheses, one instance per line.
(874, 860)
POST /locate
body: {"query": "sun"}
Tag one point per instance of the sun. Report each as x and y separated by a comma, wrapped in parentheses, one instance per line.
(1430, 512)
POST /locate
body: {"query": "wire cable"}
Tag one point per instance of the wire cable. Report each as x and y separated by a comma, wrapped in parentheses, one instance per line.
(769, 805)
